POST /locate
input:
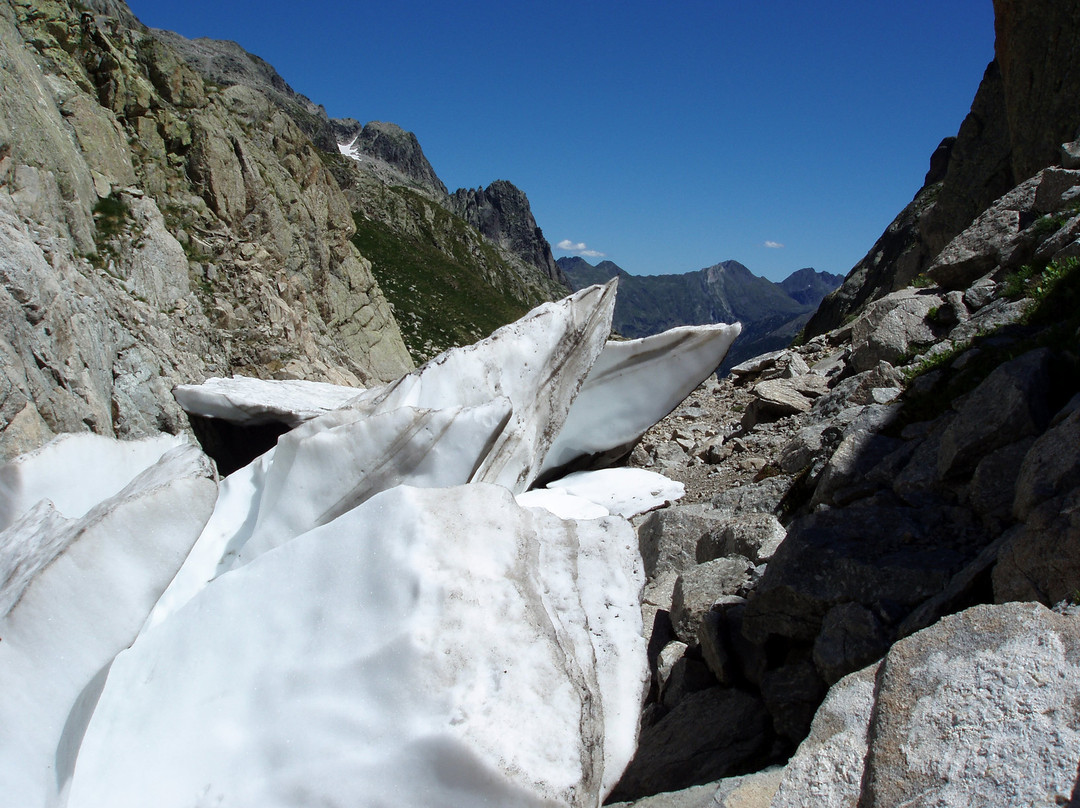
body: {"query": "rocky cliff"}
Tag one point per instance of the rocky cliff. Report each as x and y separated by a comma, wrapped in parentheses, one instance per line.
(174, 210)
(449, 283)
(379, 144)
(1023, 111)
(161, 228)
(502, 213)
(227, 63)
(771, 314)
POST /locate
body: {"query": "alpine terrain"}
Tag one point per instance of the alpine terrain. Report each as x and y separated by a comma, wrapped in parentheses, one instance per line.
(772, 314)
(320, 488)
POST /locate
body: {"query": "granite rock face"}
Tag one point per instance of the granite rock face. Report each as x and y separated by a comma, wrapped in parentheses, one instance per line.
(978, 709)
(502, 213)
(906, 489)
(391, 144)
(160, 230)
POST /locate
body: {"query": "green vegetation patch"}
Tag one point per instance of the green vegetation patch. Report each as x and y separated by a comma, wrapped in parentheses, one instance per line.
(440, 301)
(112, 218)
(1052, 321)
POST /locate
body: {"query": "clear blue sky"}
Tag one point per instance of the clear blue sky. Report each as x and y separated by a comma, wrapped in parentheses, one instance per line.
(666, 136)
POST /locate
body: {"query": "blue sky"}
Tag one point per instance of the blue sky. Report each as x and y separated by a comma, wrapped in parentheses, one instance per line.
(665, 136)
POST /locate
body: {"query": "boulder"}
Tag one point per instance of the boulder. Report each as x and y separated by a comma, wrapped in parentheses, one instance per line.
(760, 497)
(694, 797)
(827, 769)
(717, 638)
(788, 365)
(977, 250)
(851, 636)
(754, 536)
(1011, 403)
(1040, 559)
(1054, 185)
(810, 444)
(880, 555)
(773, 399)
(993, 483)
(700, 586)
(669, 538)
(688, 674)
(668, 657)
(986, 242)
(1050, 467)
(845, 477)
(792, 693)
(978, 709)
(890, 327)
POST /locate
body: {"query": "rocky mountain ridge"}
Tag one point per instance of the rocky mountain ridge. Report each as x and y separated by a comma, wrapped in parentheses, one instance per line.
(467, 268)
(771, 314)
(161, 228)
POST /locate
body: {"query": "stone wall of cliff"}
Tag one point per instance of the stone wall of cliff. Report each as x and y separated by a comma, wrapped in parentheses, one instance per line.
(1025, 108)
(159, 228)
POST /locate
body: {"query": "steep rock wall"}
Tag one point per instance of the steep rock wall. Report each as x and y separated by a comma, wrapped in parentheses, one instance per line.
(160, 229)
(1025, 108)
(502, 213)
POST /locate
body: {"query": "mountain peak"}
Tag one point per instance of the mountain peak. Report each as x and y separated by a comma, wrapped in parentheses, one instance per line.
(391, 144)
(502, 213)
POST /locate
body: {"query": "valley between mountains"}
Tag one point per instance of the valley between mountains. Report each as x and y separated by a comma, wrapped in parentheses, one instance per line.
(325, 485)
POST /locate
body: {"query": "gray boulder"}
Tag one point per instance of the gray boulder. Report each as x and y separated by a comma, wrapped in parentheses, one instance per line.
(851, 636)
(718, 639)
(751, 535)
(699, 587)
(993, 484)
(669, 538)
(1050, 467)
(792, 694)
(761, 497)
(773, 399)
(890, 327)
(876, 554)
(978, 709)
(987, 242)
(1041, 558)
(826, 770)
(1008, 405)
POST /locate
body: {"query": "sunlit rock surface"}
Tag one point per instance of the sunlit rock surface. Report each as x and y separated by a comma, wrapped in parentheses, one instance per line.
(375, 611)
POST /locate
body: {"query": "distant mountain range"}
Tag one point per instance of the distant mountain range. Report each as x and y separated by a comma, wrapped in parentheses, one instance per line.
(771, 313)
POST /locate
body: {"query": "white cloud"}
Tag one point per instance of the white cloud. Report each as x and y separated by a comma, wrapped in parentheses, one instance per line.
(578, 248)
(774, 245)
